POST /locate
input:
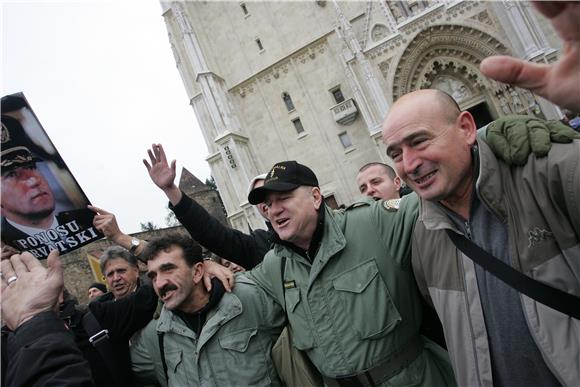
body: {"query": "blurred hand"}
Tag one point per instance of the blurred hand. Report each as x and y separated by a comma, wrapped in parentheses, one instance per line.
(557, 82)
(225, 275)
(35, 290)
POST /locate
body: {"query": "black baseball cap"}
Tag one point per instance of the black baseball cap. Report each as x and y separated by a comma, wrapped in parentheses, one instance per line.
(15, 150)
(284, 176)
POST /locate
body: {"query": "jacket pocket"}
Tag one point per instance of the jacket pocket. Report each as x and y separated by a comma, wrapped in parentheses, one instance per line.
(302, 338)
(243, 358)
(362, 290)
(173, 360)
(238, 341)
(177, 370)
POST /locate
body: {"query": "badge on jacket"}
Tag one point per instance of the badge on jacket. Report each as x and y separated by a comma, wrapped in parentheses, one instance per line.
(392, 205)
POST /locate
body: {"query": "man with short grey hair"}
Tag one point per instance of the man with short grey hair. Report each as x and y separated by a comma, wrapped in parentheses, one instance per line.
(121, 271)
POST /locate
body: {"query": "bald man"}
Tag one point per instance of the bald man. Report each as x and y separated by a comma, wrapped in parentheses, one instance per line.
(527, 217)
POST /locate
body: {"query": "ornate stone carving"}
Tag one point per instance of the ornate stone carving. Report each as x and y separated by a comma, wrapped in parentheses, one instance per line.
(384, 67)
(452, 86)
(483, 17)
(280, 69)
(379, 31)
(468, 44)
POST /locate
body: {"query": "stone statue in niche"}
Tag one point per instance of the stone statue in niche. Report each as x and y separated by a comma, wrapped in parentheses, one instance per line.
(397, 12)
(505, 107)
(517, 104)
(453, 87)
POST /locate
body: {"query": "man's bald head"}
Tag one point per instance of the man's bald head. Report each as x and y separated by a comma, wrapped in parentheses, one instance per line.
(437, 99)
(429, 140)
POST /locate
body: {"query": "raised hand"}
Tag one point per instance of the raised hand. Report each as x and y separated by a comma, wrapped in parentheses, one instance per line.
(162, 173)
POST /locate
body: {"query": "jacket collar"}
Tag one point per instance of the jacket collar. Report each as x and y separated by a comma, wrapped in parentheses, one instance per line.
(228, 308)
(332, 241)
(488, 185)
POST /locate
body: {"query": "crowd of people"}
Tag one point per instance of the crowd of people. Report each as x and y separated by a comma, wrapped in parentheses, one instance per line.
(396, 288)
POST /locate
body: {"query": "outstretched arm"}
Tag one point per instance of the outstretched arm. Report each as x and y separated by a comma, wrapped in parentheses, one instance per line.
(233, 245)
(558, 82)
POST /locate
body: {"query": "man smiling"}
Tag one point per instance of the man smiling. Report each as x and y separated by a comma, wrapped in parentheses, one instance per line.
(200, 334)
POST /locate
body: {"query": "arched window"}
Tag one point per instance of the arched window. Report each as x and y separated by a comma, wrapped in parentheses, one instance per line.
(288, 101)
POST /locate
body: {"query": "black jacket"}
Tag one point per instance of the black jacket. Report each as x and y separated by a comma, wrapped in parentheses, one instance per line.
(247, 250)
(41, 352)
(123, 318)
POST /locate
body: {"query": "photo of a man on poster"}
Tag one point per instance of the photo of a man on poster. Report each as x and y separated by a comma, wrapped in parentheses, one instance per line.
(43, 207)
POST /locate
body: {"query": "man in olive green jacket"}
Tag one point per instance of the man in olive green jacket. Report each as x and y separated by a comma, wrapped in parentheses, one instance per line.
(204, 338)
(346, 283)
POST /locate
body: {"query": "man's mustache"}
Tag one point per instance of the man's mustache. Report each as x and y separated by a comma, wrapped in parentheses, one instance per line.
(165, 289)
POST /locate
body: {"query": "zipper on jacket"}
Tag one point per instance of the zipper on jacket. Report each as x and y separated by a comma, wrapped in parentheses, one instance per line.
(468, 230)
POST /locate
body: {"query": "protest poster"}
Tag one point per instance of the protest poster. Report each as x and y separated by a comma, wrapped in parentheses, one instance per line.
(43, 206)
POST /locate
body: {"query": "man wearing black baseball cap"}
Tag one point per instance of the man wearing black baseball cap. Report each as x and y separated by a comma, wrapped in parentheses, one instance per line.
(27, 199)
(345, 280)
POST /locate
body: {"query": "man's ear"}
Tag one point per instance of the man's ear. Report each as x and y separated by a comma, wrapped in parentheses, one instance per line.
(397, 182)
(197, 272)
(317, 195)
(467, 125)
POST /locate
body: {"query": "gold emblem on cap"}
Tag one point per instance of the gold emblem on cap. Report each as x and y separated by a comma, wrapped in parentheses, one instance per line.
(274, 168)
(5, 134)
(392, 204)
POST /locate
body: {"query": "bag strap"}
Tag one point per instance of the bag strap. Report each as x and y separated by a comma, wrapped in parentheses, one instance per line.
(160, 337)
(554, 298)
(99, 338)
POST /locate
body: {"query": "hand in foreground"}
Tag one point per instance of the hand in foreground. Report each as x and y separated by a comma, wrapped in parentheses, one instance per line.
(28, 288)
(225, 275)
(106, 223)
(557, 82)
(6, 251)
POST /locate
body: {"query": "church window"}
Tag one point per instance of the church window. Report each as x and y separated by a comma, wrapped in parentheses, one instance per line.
(298, 125)
(259, 43)
(337, 94)
(345, 140)
(288, 101)
(244, 8)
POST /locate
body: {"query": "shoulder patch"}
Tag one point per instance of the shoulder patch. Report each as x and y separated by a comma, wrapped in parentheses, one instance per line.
(365, 201)
(392, 205)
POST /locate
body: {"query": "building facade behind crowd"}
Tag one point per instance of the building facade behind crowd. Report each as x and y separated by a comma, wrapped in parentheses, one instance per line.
(311, 81)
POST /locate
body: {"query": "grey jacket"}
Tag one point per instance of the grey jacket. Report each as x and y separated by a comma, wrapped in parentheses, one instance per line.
(233, 349)
(540, 204)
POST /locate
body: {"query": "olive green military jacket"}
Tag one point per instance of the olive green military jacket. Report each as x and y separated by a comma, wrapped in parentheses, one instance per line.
(357, 304)
(233, 349)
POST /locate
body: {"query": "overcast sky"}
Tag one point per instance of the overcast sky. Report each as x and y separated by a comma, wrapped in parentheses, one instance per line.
(101, 78)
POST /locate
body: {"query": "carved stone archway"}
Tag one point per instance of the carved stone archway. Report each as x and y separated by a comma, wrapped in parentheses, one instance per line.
(453, 46)
(447, 57)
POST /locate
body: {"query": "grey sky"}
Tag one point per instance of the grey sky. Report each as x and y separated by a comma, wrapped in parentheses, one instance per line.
(102, 80)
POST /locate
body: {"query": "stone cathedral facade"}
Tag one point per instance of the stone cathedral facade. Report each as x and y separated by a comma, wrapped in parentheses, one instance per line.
(312, 80)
